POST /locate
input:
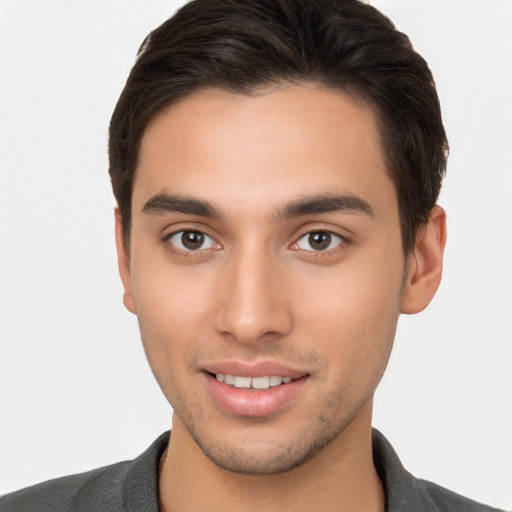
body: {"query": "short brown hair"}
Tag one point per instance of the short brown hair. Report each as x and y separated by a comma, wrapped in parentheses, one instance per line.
(241, 45)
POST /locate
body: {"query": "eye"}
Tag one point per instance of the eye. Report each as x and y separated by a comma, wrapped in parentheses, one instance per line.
(319, 241)
(191, 241)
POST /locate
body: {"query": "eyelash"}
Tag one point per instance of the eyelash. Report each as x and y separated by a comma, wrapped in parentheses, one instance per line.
(342, 244)
(189, 253)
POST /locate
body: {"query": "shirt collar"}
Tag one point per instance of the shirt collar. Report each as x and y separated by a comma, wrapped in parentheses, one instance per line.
(401, 488)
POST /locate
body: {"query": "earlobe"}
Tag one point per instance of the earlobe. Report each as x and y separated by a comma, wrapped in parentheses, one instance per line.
(123, 263)
(425, 264)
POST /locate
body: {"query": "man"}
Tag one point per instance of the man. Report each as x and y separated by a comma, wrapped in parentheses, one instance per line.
(276, 167)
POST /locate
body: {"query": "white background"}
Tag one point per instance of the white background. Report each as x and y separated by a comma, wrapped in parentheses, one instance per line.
(75, 389)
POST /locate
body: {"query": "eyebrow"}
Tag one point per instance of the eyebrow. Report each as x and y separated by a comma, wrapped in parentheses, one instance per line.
(311, 205)
(163, 203)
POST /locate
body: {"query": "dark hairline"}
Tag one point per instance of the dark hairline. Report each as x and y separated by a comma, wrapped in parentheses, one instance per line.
(240, 47)
(254, 91)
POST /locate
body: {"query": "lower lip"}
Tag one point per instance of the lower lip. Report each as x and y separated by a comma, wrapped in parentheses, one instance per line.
(253, 402)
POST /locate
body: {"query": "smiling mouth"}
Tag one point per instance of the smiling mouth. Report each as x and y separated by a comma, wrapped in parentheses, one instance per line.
(259, 383)
(255, 393)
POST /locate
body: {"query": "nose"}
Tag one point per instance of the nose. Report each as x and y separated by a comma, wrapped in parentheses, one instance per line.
(252, 303)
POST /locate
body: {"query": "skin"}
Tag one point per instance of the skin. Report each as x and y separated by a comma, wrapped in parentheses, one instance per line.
(258, 290)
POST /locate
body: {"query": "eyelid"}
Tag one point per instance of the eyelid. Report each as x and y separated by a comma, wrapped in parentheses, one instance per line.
(183, 251)
(174, 239)
(343, 243)
(344, 240)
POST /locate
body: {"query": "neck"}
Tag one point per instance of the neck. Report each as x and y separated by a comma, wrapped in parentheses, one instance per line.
(340, 477)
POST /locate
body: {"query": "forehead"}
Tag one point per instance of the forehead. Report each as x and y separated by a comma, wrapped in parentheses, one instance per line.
(264, 147)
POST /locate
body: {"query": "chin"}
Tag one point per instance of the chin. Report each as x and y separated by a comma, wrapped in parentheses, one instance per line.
(261, 457)
(258, 462)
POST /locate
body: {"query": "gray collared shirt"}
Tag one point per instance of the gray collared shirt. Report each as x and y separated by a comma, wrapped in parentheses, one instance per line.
(132, 486)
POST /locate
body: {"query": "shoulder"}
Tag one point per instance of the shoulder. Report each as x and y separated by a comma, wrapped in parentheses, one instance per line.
(125, 486)
(444, 499)
(73, 492)
(405, 492)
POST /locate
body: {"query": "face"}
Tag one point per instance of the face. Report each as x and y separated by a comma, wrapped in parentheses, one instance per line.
(265, 268)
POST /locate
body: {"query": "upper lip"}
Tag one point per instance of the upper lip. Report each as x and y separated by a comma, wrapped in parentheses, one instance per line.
(258, 369)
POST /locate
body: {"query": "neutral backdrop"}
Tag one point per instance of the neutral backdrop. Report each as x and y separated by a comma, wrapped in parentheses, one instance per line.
(75, 389)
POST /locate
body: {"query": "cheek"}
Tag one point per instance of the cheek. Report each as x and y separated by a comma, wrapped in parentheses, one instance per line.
(172, 311)
(356, 334)
(167, 295)
(170, 324)
(353, 320)
(357, 343)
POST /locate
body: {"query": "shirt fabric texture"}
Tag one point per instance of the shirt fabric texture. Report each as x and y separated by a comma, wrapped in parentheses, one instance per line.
(132, 486)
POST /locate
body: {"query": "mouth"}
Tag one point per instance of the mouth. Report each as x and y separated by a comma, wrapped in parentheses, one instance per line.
(255, 391)
(263, 382)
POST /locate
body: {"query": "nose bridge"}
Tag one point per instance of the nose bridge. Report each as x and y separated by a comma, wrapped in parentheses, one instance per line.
(253, 305)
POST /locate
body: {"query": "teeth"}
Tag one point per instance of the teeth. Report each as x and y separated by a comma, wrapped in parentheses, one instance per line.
(261, 382)
(242, 382)
(275, 381)
(264, 382)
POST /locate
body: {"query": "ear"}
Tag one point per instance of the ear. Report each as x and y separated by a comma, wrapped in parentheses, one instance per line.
(123, 262)
(425, 264)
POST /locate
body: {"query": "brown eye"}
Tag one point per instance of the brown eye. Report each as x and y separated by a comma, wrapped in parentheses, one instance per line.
(319, 241)
(191, 241)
